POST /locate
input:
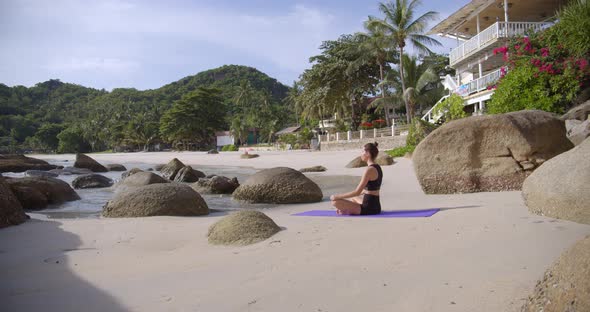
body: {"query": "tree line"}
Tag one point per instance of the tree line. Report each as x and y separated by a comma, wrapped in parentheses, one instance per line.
(61, 117)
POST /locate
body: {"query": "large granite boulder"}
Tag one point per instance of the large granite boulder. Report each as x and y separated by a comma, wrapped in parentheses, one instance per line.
(188, 174)
(242, 228)
(142, 178)
(170, 170)
(488, 153)
(21, 163)
(216, 185)
(55, 190)
(279, 185)
(560, 188)
(579, 112)
(84, 161)
(162, 199)
(91, 181)
(131, 172)
(566, 285)
(382, 160)
(116, 167)
(313, 169)
(31, 198)
(11, 211)
(579, 131)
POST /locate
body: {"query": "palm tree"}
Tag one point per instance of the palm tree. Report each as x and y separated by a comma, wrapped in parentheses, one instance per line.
(375, 46)
(399, 24)
(417, 78)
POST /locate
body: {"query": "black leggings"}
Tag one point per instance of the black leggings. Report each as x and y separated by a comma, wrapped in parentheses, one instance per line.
(370, 205)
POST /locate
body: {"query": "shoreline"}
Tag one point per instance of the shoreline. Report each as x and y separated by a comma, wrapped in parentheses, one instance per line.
(481, 252)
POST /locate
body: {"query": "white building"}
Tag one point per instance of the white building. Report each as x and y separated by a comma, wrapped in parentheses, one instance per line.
(479, 27)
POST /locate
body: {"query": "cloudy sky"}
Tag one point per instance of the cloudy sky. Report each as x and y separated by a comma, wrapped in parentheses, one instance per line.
(145, 44)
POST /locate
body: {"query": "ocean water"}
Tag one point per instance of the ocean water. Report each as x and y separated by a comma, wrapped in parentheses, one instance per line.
(92, 200)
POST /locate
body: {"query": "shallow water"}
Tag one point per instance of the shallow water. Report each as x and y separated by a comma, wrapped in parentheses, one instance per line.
(92, 200)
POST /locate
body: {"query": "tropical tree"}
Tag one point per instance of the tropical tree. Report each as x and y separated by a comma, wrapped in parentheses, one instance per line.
(193, 118)
(374, 45)
(401, 27)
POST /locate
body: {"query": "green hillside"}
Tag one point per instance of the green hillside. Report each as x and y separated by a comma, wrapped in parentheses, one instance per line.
(87, 119)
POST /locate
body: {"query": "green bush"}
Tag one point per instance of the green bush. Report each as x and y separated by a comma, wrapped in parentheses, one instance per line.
(546, 69)
(401, 151)
(451, 108)
(419, 129)
(229, 148)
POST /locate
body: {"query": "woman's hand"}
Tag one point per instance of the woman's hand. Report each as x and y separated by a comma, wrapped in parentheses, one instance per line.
(332, 197)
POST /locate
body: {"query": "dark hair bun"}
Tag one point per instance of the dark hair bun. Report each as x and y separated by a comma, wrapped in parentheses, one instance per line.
(376, 144)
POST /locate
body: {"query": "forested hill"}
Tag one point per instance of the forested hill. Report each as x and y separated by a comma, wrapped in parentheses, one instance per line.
(85, 119)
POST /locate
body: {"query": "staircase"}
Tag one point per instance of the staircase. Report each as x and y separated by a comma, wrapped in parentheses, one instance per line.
(430, 116)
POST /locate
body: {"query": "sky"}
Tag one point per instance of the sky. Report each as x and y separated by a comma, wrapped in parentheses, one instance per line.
(146, 44)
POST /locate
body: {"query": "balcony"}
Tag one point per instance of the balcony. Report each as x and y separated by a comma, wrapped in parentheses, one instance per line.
(480, 84)
(490, 36)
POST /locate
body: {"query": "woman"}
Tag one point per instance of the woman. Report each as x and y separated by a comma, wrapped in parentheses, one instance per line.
(364, 200)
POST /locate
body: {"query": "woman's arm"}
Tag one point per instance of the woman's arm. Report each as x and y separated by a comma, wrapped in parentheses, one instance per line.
(359, 189)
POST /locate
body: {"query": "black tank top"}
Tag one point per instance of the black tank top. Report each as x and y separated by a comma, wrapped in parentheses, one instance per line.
(375, 185)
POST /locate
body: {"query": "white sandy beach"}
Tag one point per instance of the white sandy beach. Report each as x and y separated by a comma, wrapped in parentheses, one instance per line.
(483, 252)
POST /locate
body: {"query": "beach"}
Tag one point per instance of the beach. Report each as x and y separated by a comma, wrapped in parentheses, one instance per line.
(480, 252)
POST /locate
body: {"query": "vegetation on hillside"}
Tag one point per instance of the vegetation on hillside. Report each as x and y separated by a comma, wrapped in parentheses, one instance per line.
(64, 117)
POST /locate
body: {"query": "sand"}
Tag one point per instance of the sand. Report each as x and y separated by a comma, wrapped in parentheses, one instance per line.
(482, 252)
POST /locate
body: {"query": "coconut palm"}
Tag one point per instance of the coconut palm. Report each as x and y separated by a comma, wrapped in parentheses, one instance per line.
(419, 79)
(399, 24)
(374, 46)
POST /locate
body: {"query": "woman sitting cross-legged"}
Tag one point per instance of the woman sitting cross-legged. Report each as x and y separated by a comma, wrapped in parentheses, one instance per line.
(364, 200)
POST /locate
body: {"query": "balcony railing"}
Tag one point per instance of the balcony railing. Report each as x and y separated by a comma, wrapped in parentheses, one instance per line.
(480, 84)
(491, 35)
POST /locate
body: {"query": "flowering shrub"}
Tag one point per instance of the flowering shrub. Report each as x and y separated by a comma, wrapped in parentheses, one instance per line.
(543, 73)
(379, 123)
(366, 125)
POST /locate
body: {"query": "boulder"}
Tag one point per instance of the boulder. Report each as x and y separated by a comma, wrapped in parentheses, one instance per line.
(488, 153)
(21, 163)
(579, 112)
(382, 160)
(248, 156)
(579, 132)
(188, 174)
(279, 185)
(170, 170)
(31, 198)
(560, 187)
(313, 169)
(159, 167)
(84, 161)
(566, 284)
(162, 199)
(40, 173)
(131, 172)
(55, 190)
(242, 228)
(356, 163)
(91, 181)
(213, 151)
(142, 178)
(116, 167)
(216, 185)
(11, 210)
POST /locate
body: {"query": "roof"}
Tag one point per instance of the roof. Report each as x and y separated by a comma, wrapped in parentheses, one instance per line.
(463, 23)
(289, 130)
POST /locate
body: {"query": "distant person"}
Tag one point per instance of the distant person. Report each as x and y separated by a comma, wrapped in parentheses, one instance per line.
(364, 200)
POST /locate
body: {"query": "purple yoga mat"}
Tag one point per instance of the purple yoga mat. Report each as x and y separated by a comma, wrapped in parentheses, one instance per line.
(383, 214)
